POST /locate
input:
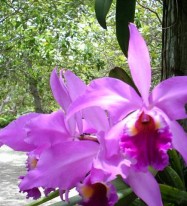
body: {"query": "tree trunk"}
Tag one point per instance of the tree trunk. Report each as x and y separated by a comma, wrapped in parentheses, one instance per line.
(174, 39)
(174, 51)
(34, 90)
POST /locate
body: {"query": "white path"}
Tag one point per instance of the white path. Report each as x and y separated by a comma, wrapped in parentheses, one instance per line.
(12, 165)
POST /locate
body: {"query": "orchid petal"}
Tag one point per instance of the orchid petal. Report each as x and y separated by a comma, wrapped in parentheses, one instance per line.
(62, 166)
(146, 187)
(59, 90)
(112, 139)
(97, 118)
(179, 139)
(75, 85)
(47, 129)
(139, 62)
(171, 96)
(110, 94)
(14, 134)
(109, 164)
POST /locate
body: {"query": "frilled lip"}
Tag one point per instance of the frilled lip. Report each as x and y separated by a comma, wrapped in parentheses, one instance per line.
(146, 139)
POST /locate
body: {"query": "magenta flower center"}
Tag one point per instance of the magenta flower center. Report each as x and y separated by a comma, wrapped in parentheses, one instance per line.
(146, 139)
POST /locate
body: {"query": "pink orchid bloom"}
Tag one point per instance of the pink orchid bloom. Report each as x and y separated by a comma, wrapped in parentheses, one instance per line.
(149, 119)
(146, 126)
(50, 139)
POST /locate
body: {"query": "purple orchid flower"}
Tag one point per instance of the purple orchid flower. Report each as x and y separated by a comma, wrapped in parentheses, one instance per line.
(68, 89)
(150, 119)
(146, 126)
(66, 148)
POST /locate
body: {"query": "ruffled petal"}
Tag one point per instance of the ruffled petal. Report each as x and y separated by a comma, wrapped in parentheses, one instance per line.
(59, 90)
(179, 140)
(139, 62)
(171, 96)
(146, 138)
(110, 94)
(47, 129)
(146, 187)
(14, 134)
(62, 166)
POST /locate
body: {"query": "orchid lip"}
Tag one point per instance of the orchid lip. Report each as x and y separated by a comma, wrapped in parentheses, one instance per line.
(146, 139)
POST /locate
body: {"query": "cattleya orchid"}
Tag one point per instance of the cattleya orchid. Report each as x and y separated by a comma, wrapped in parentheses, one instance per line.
(48, 138)
(145, 126)
(103, 130)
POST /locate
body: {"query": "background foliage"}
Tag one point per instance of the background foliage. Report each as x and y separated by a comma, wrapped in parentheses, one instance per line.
(37, 35)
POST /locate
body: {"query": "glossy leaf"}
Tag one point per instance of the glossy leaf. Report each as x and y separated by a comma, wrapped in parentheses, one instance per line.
(122, 75)
(173, 195)
(126, 197)
(176, 163)
(170, 176)
(138, 202)
(125, 194)
(101, 9)
(125, 11)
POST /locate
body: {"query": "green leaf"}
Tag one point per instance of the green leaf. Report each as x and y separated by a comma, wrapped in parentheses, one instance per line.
(101, 9)
(138, 202)
(122, 75)
(176, 163)
(125, 10)
(126, 197)
(173, 195)
(125, 194)
(170, 177)
(72, 202)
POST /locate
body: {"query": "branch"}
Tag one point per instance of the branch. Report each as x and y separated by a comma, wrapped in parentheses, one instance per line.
(151, 11)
